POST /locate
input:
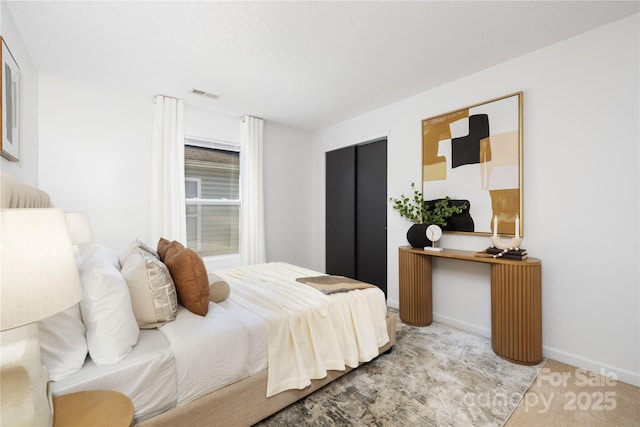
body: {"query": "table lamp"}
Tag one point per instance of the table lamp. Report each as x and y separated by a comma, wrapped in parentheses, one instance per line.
(39, 278)
(79, 227)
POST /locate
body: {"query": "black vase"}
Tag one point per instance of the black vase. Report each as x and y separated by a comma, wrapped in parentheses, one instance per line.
(458, 222)
(417, 236)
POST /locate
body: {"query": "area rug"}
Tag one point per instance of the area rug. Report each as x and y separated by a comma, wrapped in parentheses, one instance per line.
(435, 376)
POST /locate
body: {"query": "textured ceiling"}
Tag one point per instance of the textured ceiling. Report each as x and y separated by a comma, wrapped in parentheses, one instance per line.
(303, 64)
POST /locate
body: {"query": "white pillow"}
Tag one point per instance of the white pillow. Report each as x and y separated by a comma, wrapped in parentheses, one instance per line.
(94, 251)
(112, 330)
(62, 343)
(137, 244)
(153, 294)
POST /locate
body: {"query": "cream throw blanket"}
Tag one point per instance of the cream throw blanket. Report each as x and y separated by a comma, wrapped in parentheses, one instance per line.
(309, 333)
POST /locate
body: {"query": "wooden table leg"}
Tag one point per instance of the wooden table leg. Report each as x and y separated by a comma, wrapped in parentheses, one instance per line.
(416, 302)
(516, 312)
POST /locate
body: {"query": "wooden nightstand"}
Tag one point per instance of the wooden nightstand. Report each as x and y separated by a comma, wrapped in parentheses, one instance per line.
(93, 408)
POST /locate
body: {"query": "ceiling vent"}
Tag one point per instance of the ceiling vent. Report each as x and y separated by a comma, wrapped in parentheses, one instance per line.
(203, 93)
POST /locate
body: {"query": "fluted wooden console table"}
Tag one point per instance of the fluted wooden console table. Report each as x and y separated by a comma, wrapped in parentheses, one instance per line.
(516, 299)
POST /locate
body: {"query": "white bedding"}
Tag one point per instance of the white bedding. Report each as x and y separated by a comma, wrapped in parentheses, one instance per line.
(147, 375)
(181, 361)
(295, 329)
(309, 333)
(225, 346)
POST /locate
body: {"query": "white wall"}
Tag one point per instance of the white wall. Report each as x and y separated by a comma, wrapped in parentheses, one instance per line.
(287, 198)
(95, 147)
(200, 123)
(581, 137)
(26, 169)
(95, 156)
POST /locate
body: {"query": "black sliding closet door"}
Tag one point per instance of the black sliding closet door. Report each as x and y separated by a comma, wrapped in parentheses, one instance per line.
(356, 212)
(371, 214)
(340, 212)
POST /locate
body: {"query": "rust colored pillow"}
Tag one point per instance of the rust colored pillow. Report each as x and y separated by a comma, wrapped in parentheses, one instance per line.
(190, 277)
(173, 248)
(164, 245)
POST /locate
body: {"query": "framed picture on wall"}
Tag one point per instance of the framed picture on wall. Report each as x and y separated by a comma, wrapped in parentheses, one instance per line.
(475, 155)
(10, 75)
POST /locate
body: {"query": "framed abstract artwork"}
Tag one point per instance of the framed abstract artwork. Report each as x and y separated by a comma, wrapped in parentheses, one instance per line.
(10, 94)
(474, 156)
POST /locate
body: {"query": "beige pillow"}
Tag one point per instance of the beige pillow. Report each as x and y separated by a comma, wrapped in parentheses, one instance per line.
(153, 294)
(136, 243)
(218, 289)
(190, 277)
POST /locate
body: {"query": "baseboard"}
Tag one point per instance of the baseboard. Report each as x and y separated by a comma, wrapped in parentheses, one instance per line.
(475, 329)
(623, 375)
(469, 327)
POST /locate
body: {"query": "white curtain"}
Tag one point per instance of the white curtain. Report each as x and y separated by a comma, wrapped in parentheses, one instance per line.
(252, 242)
(168, 211)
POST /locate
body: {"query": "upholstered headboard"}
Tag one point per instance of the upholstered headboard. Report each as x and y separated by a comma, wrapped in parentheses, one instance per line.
(15, 194)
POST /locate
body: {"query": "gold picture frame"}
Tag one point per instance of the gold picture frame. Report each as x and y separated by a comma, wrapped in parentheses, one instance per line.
(474, 154)
(10, 107)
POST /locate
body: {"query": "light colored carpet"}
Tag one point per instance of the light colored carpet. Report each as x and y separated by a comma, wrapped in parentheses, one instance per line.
(435, 376)
(564, 395)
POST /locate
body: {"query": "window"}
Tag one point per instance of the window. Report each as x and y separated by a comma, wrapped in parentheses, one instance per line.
(212, 190)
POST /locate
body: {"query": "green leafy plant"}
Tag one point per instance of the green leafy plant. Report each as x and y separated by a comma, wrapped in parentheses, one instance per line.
(416, 210)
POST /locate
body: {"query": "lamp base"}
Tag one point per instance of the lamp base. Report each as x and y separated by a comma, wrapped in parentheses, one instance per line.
(24, 397)
(433, 249)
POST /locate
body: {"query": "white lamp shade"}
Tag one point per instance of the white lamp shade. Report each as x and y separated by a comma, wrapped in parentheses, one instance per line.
(39, 276)
(79, 227)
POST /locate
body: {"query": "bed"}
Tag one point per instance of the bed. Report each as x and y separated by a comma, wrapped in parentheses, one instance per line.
(213, 369)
